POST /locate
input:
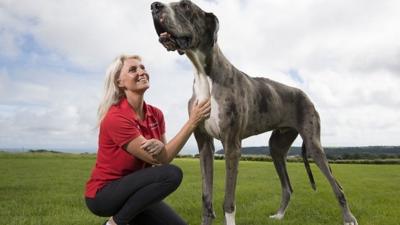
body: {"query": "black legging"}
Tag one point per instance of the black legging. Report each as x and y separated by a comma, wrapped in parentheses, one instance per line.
(136, 199)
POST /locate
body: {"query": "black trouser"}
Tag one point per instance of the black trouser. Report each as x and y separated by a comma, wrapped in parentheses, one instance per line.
(136, 199)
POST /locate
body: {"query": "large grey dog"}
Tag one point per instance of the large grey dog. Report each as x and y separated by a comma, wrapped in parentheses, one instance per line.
(241, 106)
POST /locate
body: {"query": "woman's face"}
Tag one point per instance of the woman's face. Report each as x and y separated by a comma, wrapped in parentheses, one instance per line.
(133, 76)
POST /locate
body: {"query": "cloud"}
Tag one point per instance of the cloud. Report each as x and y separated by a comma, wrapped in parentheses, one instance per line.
(53, 54)
(48, 109)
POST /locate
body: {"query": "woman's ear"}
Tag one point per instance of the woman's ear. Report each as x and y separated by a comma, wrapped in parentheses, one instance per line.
(118, 82)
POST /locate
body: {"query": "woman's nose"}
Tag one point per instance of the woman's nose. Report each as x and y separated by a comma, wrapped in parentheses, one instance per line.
(140, 71)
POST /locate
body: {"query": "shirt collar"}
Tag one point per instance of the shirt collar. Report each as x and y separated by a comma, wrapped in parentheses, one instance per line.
(146, 109)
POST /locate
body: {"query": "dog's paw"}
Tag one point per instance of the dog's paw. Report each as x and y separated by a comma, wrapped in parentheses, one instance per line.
(350, 223)
(277, 216)
(350, 220)
(230, 218)
(208, 219)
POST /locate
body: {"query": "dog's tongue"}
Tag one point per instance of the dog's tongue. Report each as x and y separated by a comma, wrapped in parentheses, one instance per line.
(168, 42)
(165, 35)
(171, 43)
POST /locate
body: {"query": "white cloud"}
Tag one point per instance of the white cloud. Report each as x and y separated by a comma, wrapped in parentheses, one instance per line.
(346, 54)
(48, 109)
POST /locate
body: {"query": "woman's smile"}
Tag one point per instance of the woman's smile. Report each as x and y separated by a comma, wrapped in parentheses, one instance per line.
(142, 79)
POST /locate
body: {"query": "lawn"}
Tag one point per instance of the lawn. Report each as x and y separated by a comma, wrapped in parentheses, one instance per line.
(41, 189)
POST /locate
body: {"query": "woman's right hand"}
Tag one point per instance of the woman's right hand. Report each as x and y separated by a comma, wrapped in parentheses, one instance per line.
(200, 111)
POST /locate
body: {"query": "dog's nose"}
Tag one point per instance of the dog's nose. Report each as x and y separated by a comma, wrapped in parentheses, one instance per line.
(156, 6)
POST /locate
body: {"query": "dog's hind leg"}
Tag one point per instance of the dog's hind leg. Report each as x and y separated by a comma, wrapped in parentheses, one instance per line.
(279, 144)
(310, 132)
(206, 150)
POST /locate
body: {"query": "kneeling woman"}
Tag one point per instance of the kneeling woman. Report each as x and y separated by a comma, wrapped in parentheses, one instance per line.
(132, 174)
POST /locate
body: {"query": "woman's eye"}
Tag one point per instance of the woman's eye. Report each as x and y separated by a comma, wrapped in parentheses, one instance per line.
(142, 67)
(133, 69)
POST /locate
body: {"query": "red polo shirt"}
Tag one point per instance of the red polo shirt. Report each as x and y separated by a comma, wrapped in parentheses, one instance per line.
(119, 127)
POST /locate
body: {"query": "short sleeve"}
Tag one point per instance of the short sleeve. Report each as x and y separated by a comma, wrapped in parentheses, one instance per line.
(160, 120)
(120, 129)
(162, 124)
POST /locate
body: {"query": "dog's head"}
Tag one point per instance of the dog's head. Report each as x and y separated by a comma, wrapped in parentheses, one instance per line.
(184, 26)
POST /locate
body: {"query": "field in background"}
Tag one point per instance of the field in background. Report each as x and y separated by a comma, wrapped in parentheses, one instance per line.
(47, 188)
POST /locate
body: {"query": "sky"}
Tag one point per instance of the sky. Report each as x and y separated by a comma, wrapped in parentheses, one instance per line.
(53, 56)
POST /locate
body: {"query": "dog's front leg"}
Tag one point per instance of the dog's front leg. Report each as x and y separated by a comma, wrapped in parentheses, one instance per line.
(232, 156)
(206, 149)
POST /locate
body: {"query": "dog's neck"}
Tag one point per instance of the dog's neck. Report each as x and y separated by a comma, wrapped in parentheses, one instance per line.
(208, 66)
(198, 59)
(209, 61)
(202, 84)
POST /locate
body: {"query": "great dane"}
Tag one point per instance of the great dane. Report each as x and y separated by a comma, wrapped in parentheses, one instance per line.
(241, 106)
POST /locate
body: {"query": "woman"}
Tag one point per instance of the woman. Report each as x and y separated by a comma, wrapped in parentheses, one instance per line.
(132, 174)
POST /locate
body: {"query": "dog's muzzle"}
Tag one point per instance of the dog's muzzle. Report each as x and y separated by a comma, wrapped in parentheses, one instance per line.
(169, 39)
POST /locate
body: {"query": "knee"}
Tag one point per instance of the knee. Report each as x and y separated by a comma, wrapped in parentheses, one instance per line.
(173, 174)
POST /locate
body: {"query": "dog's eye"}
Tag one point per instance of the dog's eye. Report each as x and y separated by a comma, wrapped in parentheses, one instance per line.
(185, 5)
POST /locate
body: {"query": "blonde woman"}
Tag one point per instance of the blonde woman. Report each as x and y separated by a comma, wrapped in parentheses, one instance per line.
(124, 184)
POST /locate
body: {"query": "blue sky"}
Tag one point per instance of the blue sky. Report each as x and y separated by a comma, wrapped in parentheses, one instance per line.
(53, 55)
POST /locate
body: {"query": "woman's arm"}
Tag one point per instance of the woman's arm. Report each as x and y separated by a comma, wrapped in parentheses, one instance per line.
(134, 148)
(166, 153)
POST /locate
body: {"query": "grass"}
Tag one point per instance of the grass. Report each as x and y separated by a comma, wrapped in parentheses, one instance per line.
(44, 188)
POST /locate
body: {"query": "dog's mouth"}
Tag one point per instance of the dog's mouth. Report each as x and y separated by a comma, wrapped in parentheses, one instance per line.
(169, 40)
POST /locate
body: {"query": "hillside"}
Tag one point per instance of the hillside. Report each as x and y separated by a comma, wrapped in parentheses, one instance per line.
(333, 152)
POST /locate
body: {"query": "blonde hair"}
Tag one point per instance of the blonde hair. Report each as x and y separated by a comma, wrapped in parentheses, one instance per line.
(112, 93)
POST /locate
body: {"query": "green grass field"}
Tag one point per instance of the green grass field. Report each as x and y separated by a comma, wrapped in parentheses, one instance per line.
(43, 189)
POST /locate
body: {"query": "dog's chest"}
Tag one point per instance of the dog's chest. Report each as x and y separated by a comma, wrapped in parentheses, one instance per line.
(202, 90)
(211, 125)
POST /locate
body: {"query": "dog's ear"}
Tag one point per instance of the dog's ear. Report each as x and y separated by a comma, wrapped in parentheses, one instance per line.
(213, 26)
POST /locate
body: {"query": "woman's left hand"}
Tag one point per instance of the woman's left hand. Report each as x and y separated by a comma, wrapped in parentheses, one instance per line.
(153, 146)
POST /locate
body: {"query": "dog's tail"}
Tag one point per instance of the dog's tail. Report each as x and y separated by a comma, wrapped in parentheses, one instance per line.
(307, 165)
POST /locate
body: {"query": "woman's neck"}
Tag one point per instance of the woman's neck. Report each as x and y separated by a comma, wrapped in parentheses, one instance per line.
(136, 102)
